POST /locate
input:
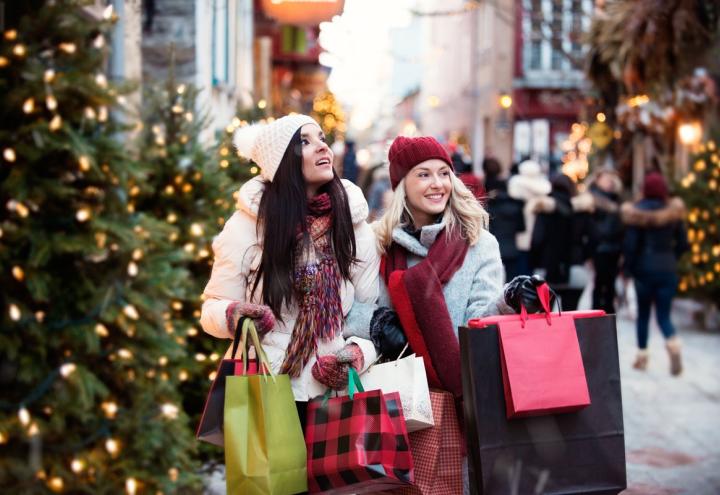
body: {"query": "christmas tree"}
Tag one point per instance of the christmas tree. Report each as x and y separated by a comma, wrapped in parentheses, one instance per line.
(89, 372)
(189, 189)
(328, 112)
(700, 268)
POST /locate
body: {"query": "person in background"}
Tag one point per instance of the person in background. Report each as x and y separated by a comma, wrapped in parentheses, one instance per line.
(559, 240)
(655, 238)
(350, 168)
(464, 170)
(379, 193)
(606, 234)
(506, 216)
(529, 184)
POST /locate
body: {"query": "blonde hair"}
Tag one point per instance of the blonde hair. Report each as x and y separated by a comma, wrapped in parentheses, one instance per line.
(463, 216)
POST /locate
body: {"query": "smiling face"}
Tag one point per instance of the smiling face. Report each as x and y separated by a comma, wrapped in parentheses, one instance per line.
(427, 189)
(317, 158)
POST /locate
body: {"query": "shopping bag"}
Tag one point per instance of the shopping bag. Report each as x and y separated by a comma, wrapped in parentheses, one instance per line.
(407, 377)
(438, 451)
(542, 368)
(264, 444)
(210, 428)
(579, 452)
(357, 443)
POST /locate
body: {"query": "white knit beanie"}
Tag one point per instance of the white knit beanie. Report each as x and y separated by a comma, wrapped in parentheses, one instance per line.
(265, 144)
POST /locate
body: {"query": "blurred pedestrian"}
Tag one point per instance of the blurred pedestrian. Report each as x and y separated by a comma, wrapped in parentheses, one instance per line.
(506, 216)
(350, 168)
(655, 238)
(379, 192)
(465, 172)
(559, 240)
(528, 185)
(606, 232)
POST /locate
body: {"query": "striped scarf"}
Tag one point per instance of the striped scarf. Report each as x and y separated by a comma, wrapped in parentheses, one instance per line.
(316, 282)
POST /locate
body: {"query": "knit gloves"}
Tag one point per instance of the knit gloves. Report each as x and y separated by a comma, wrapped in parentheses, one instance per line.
(332, 370)
(261, 314)
(386, 333)
(522, 291)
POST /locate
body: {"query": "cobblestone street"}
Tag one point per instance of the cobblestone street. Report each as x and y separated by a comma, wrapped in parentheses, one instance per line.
(672, 425)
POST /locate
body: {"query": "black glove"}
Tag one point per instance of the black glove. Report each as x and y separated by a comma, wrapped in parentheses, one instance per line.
(387, 334)
(522, 291)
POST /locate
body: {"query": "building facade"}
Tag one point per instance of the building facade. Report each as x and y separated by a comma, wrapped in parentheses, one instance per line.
(549, 81)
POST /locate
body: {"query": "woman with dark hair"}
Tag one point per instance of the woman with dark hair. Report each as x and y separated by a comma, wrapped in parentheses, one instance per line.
(655, 239)
(294, 257)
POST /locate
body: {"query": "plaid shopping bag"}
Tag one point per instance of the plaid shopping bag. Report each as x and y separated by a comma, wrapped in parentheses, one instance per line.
(357, 443)
(438, 451)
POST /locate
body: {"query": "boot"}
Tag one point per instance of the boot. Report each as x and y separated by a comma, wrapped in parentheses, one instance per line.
(673, 347)
(641, 360)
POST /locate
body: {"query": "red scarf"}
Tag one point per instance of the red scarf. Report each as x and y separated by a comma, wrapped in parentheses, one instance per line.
(317, 288)
(417, 296)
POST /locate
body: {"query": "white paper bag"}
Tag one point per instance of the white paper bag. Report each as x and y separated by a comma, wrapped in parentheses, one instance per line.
(407, 377)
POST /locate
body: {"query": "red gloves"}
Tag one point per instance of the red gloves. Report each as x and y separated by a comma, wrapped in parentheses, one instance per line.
(332, 370)
(263, 316)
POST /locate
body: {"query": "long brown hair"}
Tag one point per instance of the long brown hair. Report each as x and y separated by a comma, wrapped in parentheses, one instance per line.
(282, 214)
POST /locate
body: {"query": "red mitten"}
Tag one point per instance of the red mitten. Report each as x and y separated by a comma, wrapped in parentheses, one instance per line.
(352, 355)
(261, 314)
(331, 372)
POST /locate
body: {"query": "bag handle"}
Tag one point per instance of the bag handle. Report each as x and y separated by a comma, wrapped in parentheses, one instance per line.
(354, 386)
(264, 362)
(243, 336)
(544, 292)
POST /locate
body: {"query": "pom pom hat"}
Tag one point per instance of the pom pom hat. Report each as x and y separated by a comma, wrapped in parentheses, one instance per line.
(655, 186)
(406, 152)
(265, 144)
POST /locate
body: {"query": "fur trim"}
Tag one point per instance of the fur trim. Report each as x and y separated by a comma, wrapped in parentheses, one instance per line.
(583, 202)
(250, 193)
(673, 211)
(525, 188)
(605, 204)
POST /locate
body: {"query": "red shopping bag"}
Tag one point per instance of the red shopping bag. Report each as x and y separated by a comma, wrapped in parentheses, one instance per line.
(437, 451)
(542, 367)
(357, 443)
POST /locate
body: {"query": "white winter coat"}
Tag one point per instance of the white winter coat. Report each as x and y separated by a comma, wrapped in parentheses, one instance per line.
(237, 258)
(528, 186)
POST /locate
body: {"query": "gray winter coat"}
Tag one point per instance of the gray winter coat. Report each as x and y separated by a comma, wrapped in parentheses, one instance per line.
(474, 291)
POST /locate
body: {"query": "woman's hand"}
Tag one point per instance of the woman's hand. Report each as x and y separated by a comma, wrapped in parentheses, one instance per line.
(522, 291)
(386, 333)
(262, 316)
(332, 370)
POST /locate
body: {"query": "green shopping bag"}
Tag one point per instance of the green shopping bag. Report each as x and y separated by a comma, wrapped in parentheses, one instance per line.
(264, 445)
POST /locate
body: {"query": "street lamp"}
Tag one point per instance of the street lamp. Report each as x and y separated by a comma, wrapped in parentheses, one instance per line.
(505, 101)
(690, 133)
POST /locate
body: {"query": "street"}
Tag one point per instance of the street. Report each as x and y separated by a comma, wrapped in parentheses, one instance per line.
(672, 438)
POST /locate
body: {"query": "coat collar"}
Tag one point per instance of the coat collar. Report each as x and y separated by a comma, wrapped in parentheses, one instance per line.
(419, 247)
(248, 199)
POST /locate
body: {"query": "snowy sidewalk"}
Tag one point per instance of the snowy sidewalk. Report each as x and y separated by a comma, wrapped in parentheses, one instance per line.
(672, 425)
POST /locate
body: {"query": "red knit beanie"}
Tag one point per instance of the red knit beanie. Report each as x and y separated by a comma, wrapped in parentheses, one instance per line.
(406, 152)
(655, 186)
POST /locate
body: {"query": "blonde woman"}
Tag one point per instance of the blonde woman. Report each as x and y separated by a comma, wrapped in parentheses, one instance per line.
(440, 267)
